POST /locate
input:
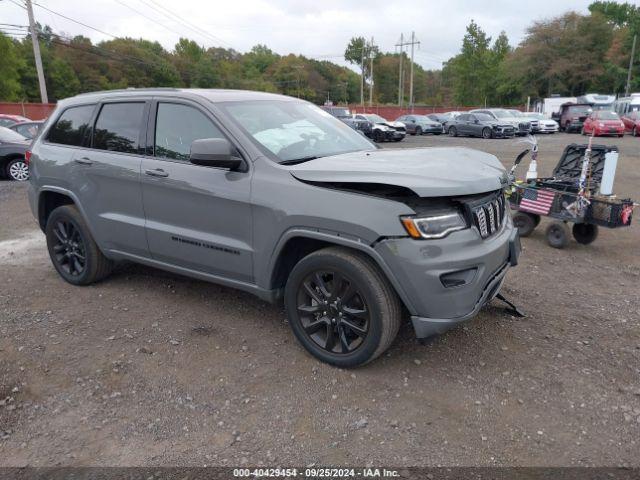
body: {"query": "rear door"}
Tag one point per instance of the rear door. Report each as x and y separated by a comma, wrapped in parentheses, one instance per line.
(197, 217)
(462, 124)
(106, 175)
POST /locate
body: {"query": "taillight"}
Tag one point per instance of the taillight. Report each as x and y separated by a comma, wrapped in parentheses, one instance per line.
(27, 156)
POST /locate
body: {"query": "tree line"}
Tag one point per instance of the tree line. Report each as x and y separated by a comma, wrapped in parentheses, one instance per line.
(567, 55)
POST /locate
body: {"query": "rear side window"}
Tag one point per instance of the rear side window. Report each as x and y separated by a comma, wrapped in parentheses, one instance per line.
(72, 126)
(463, 118)
(179, 125)
(118, 127)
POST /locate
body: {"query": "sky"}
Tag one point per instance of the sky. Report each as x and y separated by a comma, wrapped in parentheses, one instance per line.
(318, 29)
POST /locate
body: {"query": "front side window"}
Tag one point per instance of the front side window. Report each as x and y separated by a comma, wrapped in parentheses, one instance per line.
(118, 127)
(179, 125)
(72, 126)
(291, 131)
(463, 118)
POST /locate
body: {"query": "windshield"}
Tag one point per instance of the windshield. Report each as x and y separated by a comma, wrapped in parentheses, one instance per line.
(483, 117)
(340, 112)
(502, 113)
(607, 116)
(372, 117)
(539, 116)
(288, 131)
(580, 109)
(516, 113)
(7, 135)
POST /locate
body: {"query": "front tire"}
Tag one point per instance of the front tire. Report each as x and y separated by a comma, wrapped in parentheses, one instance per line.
(18, 170)
(73, 252)
(634, 132)
(378, 136)
(418, 130)
(486, 133)
(453, 132)
(341, 308)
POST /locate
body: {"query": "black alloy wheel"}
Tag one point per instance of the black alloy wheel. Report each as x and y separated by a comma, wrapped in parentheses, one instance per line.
(486, 132)
(418, 131)
(341, 307)
(453, 132)
(73, 251)
(69, 251)
(333, 312)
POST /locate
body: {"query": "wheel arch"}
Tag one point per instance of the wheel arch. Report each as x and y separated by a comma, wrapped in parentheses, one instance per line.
(297, 243)
(50, 198)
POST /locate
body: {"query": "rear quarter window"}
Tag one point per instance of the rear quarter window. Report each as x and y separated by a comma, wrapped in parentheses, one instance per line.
(72, 126)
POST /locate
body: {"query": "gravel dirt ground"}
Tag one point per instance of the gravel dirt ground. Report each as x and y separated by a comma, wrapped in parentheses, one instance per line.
(149, 368)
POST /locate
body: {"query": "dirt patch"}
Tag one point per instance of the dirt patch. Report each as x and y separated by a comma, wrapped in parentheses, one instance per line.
(149, 368)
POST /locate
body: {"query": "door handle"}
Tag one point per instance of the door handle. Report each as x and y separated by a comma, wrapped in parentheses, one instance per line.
(84, 161)
(158, 172)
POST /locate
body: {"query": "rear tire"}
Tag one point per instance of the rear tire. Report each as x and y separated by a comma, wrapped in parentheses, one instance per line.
(453, 132)
(584, 233)
(326, 325)
(557, 235)
(73, 252)
(525, 223)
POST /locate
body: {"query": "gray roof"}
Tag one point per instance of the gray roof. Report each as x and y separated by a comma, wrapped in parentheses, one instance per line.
(213, 95)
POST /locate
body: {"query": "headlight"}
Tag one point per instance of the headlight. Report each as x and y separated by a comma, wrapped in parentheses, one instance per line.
(435, 226)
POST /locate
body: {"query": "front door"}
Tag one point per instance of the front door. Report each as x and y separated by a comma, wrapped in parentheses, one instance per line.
(197, 217)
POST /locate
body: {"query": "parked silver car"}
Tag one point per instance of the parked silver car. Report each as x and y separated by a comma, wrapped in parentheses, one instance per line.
(274, 196)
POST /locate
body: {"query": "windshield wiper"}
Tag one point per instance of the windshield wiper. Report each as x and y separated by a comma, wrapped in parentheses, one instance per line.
(295, 161)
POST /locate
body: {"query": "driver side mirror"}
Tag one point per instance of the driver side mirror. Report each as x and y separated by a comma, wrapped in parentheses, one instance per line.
(214, 152)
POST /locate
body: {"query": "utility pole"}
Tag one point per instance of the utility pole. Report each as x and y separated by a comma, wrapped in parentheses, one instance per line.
(36, 52)
(633, 53)
(413, 42)
(371, 73)
(364, 47)
(400, 89)
(402, 43)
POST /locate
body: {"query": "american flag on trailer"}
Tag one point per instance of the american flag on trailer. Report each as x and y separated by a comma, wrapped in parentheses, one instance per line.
(537, 201)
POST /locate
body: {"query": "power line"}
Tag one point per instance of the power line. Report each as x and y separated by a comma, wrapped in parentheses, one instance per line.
(177, 18)
(148, 18)
(75, 21)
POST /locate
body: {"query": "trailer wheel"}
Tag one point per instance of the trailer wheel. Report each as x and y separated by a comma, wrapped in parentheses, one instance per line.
(585, 233)
(557, 235)
(525, 222)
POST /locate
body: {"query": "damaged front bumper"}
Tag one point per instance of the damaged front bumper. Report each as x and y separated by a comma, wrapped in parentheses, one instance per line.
(446, 282)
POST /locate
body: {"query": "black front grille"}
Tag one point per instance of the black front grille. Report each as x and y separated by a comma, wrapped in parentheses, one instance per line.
(489, 216)
(524, 126)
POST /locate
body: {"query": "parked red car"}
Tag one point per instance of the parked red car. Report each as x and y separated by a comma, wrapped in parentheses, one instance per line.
(603, 122)
(7, 120)
(631, 122)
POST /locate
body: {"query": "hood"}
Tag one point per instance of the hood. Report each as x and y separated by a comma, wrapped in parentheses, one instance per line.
(428, 172)
(392, 124)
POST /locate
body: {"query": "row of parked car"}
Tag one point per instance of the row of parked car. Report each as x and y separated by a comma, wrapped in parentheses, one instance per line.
(592, 120)
(485, 123)
(16, 132)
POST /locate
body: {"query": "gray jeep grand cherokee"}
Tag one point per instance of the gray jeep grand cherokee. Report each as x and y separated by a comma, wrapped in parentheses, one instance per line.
(274, 196)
